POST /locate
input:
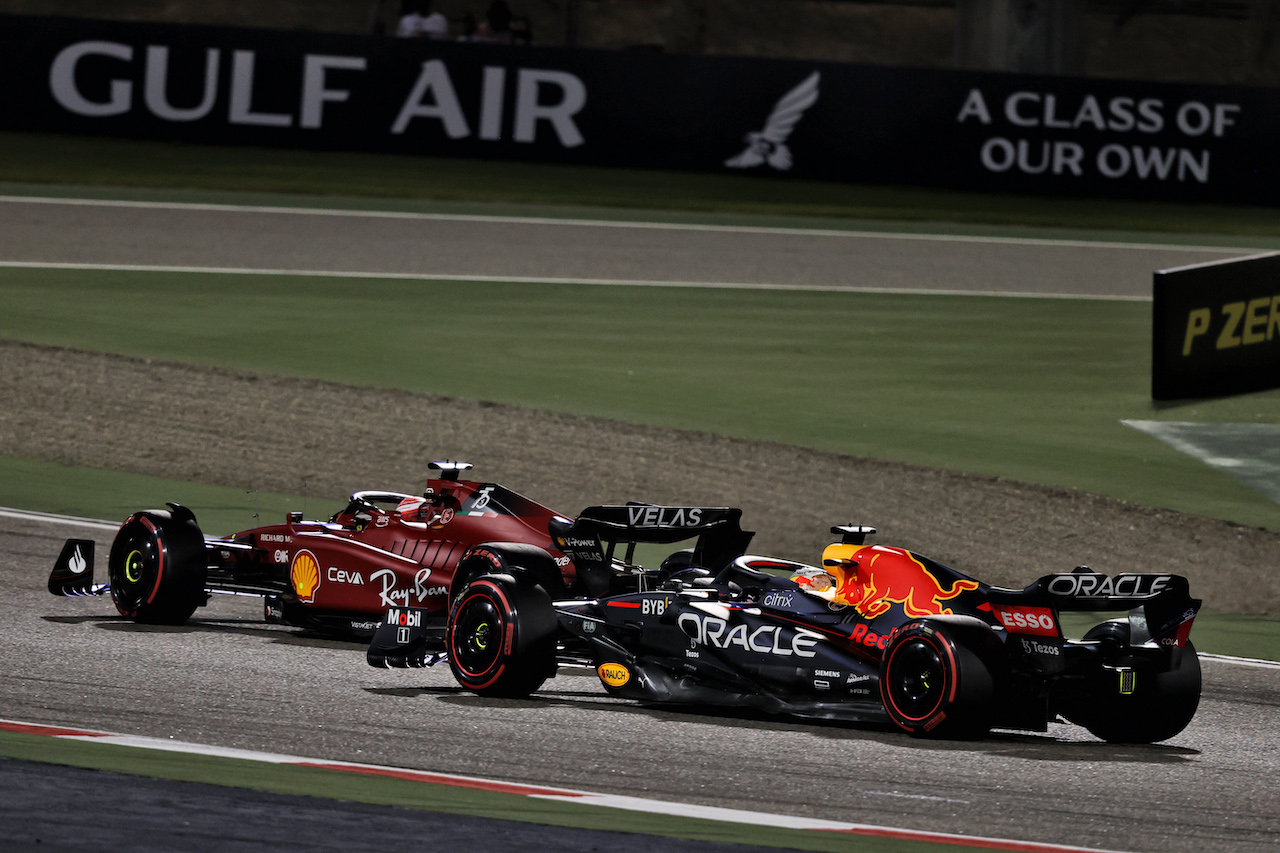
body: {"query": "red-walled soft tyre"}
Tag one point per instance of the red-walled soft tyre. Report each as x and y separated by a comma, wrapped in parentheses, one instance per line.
(933, 684)
(501, 636)
(157, 567)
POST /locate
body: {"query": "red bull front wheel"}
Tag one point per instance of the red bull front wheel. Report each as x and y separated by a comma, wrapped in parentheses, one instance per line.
(932, 684)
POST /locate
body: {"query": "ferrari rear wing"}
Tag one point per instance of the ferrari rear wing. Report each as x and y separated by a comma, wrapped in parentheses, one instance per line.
(592, 536)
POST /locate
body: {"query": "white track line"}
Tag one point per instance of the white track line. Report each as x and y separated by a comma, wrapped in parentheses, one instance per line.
(1254, 257)
(635, 804)
(614, 223)
(534, 280)
(52, 518)
(1238, 661)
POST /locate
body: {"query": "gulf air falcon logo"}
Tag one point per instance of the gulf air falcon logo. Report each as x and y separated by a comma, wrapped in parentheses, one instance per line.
(770, 144)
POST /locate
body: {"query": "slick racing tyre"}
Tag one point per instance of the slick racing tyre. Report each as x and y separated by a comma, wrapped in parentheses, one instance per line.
(1157, 706)
(933, 683)
(501, 636)
(157, 567)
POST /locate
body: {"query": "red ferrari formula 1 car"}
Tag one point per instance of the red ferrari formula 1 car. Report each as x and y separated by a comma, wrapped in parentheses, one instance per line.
(875, 633)
(382, 550)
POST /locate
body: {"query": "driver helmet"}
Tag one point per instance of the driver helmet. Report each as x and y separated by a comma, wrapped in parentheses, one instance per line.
(815, 582)
(411, 508)
(837, 580)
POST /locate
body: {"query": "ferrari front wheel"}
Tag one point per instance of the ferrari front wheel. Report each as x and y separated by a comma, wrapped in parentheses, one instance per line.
(501, 637)
(157, 567)
(933, 684)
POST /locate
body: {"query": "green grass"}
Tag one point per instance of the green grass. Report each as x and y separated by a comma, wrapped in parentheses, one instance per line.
(1031, 390)
(1237, 634)
(52, 160)
(113, 495)
(360, 788)
(1215, 633)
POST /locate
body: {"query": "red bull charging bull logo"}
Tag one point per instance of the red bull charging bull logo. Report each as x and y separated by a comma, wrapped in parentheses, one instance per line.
(871, 579)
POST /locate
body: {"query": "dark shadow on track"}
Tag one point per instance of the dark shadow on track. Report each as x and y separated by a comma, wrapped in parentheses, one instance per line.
(1027, 745)
(245, 627)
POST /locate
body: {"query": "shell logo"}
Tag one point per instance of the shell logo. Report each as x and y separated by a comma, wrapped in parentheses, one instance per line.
(613, 674)
(305, 575)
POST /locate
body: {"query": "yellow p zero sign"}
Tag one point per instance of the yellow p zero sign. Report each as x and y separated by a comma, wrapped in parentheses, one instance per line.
(1238, 324)
(1216, 329)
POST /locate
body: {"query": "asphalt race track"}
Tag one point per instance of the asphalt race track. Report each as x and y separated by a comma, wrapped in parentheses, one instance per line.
(227, 679)
(537, 249)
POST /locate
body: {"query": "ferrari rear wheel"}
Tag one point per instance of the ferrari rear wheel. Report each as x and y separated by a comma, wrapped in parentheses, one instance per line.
(933, 685)
(156, 567)
(501, 637)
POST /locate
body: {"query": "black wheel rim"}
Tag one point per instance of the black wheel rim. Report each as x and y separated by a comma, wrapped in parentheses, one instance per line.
(133, 578)
(917, 679)
(477, 636)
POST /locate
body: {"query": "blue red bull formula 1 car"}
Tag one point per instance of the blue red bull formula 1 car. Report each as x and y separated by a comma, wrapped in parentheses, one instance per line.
(874, 634)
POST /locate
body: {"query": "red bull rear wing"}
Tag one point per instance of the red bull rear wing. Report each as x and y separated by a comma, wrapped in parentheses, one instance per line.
(1160, 607)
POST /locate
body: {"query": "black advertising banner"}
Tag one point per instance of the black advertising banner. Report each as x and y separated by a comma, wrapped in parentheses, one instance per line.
(826, 121)
(1216, 329)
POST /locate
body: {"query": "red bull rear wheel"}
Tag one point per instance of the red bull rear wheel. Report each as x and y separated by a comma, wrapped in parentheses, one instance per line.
(1160, 700)
(933, 685)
